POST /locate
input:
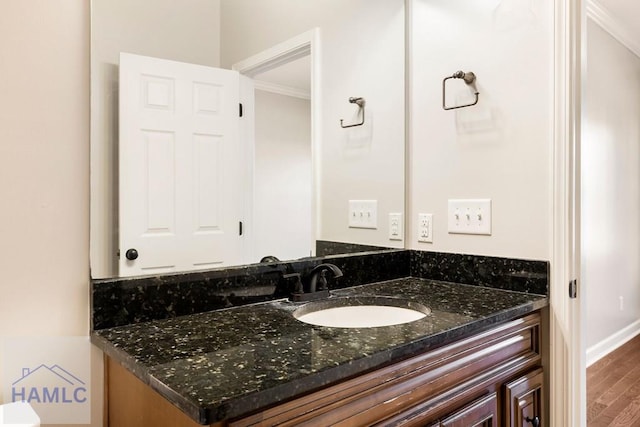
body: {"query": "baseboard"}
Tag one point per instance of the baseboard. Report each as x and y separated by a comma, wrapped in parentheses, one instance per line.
(607, 345)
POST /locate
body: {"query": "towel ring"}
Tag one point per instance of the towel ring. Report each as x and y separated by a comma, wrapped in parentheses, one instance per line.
(360, 102)
(469, 78)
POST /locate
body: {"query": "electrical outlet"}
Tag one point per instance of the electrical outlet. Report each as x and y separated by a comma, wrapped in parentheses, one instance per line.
(471, 216)
(395, 226)
(425, 228)
(363, 214)
(621, 303)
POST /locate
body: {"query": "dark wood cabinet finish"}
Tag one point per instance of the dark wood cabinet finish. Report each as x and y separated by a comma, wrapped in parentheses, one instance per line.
(481, 413)
(465, 383)
(421, 390)
(524, 400)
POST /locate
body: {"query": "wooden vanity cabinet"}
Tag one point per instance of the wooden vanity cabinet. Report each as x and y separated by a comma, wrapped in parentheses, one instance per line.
(462, 384)
(524, 400)
(522, 403)
(493, 378)
(482, 413)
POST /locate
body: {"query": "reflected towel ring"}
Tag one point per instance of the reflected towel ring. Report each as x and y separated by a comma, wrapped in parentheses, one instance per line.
(469, 78)
(360, 103)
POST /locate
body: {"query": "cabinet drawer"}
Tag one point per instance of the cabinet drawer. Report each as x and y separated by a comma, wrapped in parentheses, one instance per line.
(481, 413)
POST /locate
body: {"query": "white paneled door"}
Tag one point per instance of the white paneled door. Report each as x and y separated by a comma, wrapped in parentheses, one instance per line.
(181, 166)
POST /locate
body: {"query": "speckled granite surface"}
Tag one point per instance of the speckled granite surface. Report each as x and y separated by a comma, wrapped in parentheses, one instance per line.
(121, 301)
(327, 247)
(227, 363)
(502, 273)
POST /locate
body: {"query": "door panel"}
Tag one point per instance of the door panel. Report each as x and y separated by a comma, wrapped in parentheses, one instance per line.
(181, 166)
(524, 400)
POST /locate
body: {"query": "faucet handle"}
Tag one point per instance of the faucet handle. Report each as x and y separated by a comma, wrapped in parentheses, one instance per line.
(297, 289)
(269, 258)
(322, 280)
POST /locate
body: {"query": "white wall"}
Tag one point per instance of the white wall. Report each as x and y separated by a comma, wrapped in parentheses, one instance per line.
(44, 129)
(499, 149)
(363, 162)
(610, 186)
(44, 172)
(187, 34)
(362, 54)
(282, 177)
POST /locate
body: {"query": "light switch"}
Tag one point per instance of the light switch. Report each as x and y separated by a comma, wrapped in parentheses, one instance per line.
(469, 216)
(363, 214)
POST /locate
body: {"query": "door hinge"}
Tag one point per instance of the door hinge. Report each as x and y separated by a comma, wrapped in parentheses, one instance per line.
(240, 228)
(573, 289)
(240, 109)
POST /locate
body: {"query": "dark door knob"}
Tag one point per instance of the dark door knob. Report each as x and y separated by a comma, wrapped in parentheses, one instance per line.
(131, 254)
(535, 421)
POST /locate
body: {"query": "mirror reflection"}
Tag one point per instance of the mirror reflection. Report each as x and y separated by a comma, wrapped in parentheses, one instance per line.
(180, 182)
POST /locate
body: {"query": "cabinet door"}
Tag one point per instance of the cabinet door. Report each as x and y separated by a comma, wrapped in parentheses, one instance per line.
(523, 405)
(481, 413)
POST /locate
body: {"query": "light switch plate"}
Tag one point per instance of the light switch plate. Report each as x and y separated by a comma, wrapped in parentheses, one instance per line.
(469, 216)
(396, 230)
(363, 214)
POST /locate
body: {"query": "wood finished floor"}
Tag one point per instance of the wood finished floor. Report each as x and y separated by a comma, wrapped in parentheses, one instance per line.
(613, 388)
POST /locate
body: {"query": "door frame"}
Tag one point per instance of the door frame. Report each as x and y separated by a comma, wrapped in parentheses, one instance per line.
(305, 44)
(567, 376)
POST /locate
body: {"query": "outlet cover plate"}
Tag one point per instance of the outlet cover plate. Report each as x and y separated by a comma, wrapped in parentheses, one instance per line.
(425, 228)
(395, 226)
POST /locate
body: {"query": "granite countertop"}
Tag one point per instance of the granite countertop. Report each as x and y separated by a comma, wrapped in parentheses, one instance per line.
(228, 363)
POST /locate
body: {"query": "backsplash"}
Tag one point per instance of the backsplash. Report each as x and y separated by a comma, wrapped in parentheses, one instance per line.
(326, 247)
(501, 273)
(122, 301)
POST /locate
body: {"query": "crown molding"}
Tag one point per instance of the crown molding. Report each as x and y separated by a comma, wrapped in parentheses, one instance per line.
(601, 16)
(281, 89)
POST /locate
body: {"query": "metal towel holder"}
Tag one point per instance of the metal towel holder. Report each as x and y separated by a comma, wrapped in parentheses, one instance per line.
(360, 103)
(469, 78)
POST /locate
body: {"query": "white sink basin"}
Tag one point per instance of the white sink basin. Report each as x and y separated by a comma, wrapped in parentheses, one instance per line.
(362, 312)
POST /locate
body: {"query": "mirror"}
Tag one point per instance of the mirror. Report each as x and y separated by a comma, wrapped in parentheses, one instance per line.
(358, 52)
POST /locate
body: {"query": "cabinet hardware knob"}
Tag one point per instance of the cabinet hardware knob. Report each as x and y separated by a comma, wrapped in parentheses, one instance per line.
(535, 421)
(131, 254)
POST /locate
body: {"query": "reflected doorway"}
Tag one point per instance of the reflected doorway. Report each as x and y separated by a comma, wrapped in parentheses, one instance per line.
(280, 90)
